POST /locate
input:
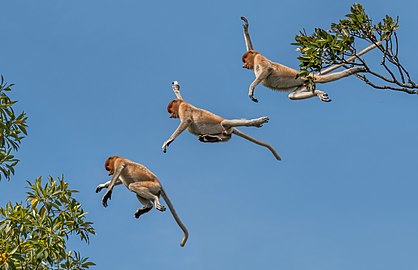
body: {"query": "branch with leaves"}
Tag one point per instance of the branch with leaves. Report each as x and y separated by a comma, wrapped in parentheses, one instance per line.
(33, 235)
(326, 50)
(12, 131)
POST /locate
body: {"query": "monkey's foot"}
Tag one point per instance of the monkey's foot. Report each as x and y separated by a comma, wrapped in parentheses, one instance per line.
(160, 207)
(260, 121)
(323, 96)
(209, 138)
(141, 211)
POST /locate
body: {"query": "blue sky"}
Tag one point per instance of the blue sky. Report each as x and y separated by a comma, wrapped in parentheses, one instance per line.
(95, 78)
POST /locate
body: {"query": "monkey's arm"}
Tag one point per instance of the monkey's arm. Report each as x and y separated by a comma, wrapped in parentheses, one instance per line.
(251, 139)
(247, 38)
(264, 73)
(182, 127)
(115, 178)
(106, 184)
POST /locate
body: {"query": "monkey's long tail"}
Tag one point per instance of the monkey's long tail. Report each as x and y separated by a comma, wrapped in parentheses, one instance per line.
(176, 217)
(248, 137)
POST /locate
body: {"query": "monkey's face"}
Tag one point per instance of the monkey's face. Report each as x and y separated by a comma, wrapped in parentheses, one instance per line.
(110, 164)
(173, 108)
(248, 59)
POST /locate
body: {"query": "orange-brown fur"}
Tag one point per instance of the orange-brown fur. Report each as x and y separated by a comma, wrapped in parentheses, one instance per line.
(280, 77)
(209, 126)
(138, 179)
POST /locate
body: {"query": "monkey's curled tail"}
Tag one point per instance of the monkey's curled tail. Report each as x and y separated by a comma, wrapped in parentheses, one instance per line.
(176, 217)
(248, 137)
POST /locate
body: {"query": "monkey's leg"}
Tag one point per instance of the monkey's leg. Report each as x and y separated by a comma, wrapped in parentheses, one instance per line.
(302, 92)
(258, 122)
(147, 191)
(147, 205)
(213, 138)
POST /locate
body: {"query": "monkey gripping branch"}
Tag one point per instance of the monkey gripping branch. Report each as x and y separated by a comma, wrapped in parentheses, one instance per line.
(326, 50)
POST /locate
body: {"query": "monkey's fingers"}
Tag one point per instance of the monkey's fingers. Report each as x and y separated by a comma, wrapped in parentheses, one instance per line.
(253, 99)
(244, 19)
(107, 196)
(98, 189)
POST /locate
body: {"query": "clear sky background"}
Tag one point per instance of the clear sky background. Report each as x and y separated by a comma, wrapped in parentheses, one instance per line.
(95, 78)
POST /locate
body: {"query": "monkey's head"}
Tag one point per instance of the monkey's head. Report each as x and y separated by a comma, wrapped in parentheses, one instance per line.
(110, 164)
(248, 59)
(173, 108)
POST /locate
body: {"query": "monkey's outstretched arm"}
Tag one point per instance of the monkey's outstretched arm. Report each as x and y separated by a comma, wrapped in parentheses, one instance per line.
(251, 139)
(115, 178)
(106, 185)
(182, 127)
(247, 38)
(258, 79)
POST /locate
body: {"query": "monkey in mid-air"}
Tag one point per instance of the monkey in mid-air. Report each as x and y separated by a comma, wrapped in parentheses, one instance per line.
(138, 179)
(207, 126)
(280, 77)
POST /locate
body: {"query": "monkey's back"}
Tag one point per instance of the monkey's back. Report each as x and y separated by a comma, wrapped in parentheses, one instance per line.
(204, 122)
(281, 77)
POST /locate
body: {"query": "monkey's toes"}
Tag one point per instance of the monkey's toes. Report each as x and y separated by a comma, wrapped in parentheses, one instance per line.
(161, 208)
(265, 119)
(326, 99)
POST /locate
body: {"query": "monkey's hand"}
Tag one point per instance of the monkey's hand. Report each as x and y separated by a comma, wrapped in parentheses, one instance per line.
(100, 187)
(245, 25)
(107, 196)
(252, 98)
(164, 147)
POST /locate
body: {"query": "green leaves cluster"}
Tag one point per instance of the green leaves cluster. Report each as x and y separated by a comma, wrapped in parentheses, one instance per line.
(33, 235)
(324, 48)
(12, 131)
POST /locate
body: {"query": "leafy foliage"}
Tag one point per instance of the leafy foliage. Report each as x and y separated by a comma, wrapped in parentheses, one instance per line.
(33, 235)
(12, 129)
(337, 46)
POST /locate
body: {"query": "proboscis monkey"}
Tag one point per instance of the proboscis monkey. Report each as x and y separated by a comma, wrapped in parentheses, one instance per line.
(138, 179)
(207, 126)
(280, 77)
